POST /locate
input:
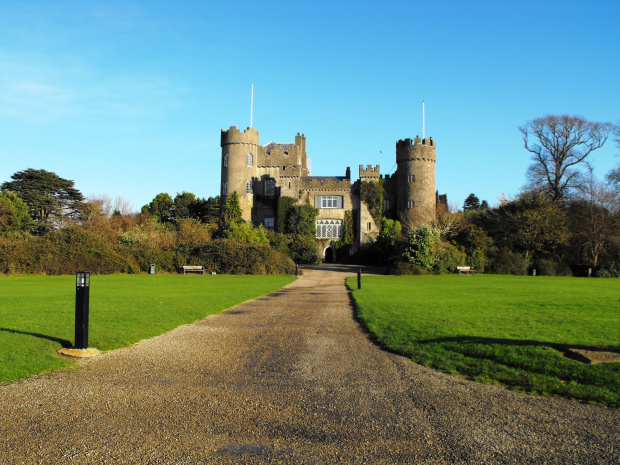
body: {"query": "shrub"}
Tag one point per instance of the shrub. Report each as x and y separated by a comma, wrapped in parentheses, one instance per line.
(549, 267)
(449, 257)
(226, 256)
(507, 262)
(406, 268)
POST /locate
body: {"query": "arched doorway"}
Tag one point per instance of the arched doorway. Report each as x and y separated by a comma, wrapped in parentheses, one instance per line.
(330, 256)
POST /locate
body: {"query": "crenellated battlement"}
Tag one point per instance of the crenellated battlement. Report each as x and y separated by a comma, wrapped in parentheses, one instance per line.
(235, 136)
(370, 172)
(405, 143)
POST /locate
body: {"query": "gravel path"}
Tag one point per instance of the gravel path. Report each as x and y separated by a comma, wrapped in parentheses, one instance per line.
(289, 378)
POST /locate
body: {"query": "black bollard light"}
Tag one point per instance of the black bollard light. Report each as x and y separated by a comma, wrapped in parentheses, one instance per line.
(359, 278)
(82, 294)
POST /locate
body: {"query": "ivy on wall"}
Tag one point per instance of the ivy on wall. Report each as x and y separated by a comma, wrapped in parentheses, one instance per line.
(371, 193)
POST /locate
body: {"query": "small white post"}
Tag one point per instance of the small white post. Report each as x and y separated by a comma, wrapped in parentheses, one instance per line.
(252, 106)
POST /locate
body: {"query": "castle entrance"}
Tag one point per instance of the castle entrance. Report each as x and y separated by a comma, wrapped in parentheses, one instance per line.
(330, 256)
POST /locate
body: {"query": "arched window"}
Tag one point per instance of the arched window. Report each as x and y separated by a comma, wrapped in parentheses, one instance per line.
(224, 188)
(250, 159)
(225, 162)
(248, 187)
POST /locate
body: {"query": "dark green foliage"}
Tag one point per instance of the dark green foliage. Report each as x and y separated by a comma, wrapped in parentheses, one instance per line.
(48, 196)
(531, 225)
(549, 267)
(301, 220)
(507, 262)
(232, 210)
(284, 205)
(406, 268)
(372, 193)
(187, 205)
(448, 258)
(161, 208)
(301, 249)
(13, 213)
(304, 250)
(471, 204)
(476, 245)
(226, 256)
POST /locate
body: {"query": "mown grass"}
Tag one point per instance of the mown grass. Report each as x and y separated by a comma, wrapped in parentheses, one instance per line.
(37, 312)
(509, 330)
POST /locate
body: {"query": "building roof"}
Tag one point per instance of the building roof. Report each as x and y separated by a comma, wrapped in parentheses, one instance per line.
(272, 144)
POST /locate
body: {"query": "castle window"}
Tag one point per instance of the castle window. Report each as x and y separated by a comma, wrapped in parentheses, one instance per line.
(386, 205)
(329, 229)
(269, 223)
(248, 187)
(412, 178)
(411, 204)
(328, 201)
(369, 226)
(225, 162)
(224, 188)
(250, 159)
(270, 187)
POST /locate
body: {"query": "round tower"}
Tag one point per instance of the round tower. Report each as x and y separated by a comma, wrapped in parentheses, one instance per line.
(239, 161)
(415, 180)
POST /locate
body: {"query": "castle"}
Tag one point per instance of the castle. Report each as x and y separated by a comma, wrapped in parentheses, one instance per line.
(262, 174)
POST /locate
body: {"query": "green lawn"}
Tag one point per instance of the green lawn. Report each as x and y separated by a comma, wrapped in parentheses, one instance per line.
(37, 312)
(500, 329)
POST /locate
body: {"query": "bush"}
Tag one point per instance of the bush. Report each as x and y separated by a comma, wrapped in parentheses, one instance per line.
(507, 262)
(449, 258)
(226, 256)
(406, 268)
(548, 267)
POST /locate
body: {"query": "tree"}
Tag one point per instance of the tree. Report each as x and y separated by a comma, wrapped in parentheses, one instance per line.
(161, 208)
(183, 204)
(595, 220)
(301, 220)
(532, 225)
(471, 204)
(232, 211)
(13, 213)
(560, 144)
(49, 197)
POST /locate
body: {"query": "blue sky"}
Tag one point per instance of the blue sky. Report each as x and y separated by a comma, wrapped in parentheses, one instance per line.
(128, 98)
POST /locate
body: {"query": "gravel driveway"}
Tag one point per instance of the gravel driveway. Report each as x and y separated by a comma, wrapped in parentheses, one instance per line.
(289, 378)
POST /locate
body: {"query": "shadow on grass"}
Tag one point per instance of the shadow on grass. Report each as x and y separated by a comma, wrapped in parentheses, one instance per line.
(512, 342)
(63, 342)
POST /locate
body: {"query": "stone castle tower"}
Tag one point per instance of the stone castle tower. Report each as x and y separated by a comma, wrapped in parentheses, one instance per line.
(415, 178)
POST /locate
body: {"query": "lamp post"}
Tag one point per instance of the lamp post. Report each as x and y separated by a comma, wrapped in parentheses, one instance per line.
(82, 294)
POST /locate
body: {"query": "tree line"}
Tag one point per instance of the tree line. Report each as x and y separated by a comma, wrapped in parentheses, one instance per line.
(564, 221)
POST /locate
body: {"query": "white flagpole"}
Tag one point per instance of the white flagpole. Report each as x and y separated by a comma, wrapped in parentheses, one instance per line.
(423, 122)
(252, 106)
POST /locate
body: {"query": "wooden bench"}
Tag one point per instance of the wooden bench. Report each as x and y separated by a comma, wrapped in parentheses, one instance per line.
(193, 268)
(464, 270)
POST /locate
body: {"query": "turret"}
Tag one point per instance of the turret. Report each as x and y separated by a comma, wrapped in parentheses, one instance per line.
(239, 161)
(415, 179)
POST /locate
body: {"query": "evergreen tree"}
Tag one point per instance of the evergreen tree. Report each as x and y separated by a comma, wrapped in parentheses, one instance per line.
(471, 204)
(48, 196)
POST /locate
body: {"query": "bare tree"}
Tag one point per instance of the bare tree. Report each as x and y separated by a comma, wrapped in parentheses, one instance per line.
(560, 144)
(595, 218)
